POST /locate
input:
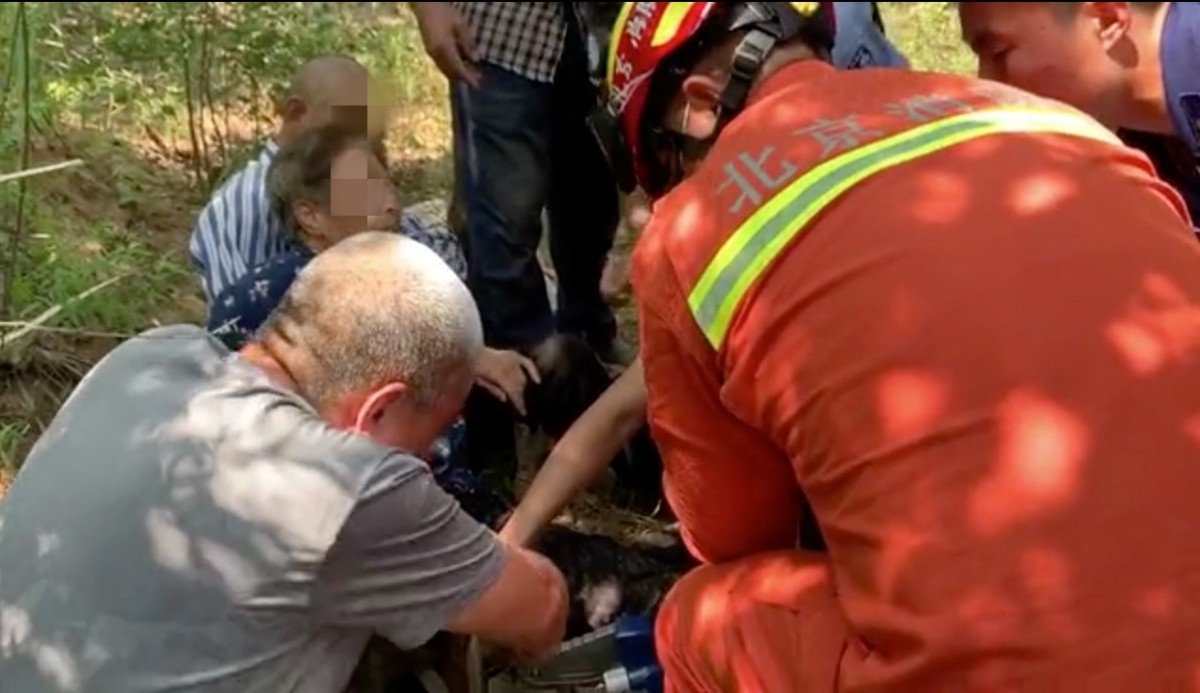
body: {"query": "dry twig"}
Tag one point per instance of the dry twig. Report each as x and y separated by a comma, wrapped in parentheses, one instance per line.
(9, 339)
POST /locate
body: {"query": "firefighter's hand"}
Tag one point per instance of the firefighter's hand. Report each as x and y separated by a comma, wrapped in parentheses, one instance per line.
(448, 40)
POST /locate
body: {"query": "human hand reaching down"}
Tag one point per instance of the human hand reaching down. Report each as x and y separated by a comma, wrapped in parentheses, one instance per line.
(505, 374)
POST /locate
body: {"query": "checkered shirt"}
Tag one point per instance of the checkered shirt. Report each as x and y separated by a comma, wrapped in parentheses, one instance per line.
(524, 37)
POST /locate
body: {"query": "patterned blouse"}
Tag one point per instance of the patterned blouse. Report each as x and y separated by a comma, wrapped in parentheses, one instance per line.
(242, 307)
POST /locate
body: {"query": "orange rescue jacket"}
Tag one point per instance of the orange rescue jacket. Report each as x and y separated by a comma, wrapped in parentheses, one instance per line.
(964, 324)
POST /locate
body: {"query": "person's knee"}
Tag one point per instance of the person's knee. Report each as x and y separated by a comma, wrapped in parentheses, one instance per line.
(737, 626)
(693, 610)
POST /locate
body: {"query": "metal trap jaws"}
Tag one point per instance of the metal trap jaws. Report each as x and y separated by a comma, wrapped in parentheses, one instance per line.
(618, 658)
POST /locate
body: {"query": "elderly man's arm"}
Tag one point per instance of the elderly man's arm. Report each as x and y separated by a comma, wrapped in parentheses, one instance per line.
(409, 562)
(525, 609)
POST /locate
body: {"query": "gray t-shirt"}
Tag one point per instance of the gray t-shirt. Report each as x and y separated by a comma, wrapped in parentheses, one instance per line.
(184, 525)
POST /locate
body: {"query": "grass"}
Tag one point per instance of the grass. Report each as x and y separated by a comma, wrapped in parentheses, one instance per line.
(114, 84)
(928, 34)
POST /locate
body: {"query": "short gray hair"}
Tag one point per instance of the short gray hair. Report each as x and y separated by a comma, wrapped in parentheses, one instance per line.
(375, 308)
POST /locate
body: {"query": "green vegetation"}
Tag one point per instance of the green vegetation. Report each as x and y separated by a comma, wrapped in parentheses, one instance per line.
(160, 100)
(928, 33)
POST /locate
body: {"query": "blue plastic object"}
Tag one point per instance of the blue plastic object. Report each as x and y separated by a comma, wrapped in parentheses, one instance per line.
(635, 650)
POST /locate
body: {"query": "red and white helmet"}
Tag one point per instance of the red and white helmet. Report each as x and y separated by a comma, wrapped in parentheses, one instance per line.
(651, 49)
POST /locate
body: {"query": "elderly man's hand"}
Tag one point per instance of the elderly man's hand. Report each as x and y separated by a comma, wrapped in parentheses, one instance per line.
(557, 607)
(505, 374)
(448, 40)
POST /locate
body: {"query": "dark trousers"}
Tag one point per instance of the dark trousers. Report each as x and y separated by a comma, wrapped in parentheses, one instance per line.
(520, 147)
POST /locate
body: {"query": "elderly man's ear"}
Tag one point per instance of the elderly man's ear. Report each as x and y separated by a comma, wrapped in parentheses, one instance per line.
(373, 407)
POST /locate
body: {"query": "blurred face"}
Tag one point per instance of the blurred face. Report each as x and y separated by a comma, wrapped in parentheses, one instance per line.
(361, 198)
(353, 100)
(1044, 50)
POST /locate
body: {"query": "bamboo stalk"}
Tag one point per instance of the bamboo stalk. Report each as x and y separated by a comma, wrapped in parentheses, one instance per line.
(39, 170)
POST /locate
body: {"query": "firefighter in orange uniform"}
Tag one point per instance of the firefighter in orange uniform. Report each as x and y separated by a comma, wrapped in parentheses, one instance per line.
(959, 322)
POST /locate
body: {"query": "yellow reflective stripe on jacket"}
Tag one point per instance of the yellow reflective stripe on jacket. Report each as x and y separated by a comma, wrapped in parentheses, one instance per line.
(747, 253)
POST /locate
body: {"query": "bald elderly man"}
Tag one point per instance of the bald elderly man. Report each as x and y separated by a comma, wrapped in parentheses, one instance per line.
(195, 519)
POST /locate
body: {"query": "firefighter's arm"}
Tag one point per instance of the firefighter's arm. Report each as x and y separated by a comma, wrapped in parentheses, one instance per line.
(581, 456)
(733, 493)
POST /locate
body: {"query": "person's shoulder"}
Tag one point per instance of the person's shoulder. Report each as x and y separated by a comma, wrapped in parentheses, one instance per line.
(243, 306)
(274, 275)
(284, 265)
(172, 342)
(649, 255)
(435, 235)
(162, 357)
(250, 174)
(263, 421)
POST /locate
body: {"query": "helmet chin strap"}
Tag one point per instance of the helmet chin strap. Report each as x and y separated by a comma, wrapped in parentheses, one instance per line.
(748, 58)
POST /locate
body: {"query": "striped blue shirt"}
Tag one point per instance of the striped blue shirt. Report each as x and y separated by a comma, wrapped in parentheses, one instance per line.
(236, 230)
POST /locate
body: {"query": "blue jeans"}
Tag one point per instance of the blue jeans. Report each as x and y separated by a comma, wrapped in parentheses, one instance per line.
(521, 146)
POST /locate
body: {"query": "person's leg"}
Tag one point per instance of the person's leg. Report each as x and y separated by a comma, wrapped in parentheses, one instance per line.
(504, 148)
(456, 213)
(765, 624)
(583, 206)
(502, 152)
